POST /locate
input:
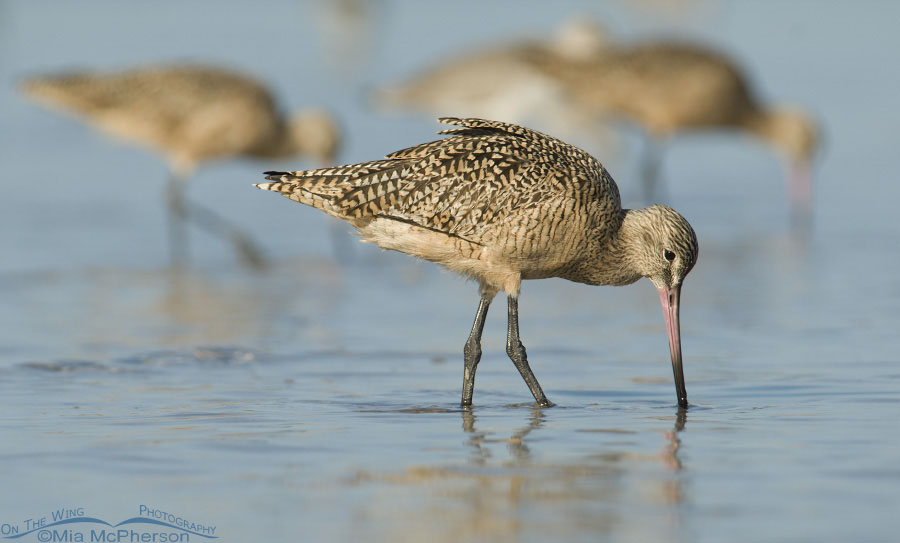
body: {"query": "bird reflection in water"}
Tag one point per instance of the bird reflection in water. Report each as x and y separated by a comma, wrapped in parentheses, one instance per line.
(518, 448)
(501, 498)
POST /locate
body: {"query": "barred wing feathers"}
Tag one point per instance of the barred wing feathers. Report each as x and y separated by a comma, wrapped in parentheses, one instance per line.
(479, 176)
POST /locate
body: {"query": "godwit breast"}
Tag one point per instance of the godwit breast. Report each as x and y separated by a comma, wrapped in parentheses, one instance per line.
(669, 88)
(190, 114)
(501, 203)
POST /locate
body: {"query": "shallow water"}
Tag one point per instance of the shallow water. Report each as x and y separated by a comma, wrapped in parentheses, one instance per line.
(318, 400)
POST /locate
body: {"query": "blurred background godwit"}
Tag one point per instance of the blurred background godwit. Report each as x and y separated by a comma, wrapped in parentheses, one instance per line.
(501, 81)
(191, 114)
(673, 87)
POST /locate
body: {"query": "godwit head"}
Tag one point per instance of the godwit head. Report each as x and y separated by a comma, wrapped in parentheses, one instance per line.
(315, 133)
(658, 243)
(580, 39)
(796, 137)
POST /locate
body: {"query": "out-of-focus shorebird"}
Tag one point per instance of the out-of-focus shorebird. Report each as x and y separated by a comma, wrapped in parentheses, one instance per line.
(500, 203)
(190, 114)
(503, 82)
(671, 88)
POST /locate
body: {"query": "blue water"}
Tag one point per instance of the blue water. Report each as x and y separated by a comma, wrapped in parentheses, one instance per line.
(318, 400)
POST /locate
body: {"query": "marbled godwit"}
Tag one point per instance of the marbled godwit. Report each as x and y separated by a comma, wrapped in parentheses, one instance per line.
(668, 88)
(190, 114)
(502, 82)
(501, 203)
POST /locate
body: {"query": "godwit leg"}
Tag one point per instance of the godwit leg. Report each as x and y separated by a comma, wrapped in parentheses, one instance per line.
(177, 216)
(516, 352)
(800, 193)
(472, 351)
(216, 225)
(650, 162)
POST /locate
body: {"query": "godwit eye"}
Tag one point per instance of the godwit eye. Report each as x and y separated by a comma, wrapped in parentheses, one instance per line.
(670, 256)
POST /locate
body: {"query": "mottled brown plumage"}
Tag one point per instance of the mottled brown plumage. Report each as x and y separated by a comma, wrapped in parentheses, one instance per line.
(190, 114)
(501, 203)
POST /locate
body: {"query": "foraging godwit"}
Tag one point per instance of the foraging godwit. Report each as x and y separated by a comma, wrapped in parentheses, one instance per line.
(502, 82)
(190, 114)
(500, 203)
(669, 88)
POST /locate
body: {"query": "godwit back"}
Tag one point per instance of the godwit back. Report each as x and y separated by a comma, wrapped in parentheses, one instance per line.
(502, 82)
(501, 203)
(190, 114)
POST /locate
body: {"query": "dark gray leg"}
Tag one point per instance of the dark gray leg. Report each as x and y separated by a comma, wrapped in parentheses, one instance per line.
(472, 351)
(181, 211)
(215, 224)
(516, 352)
(650, 163)
(177, 215)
